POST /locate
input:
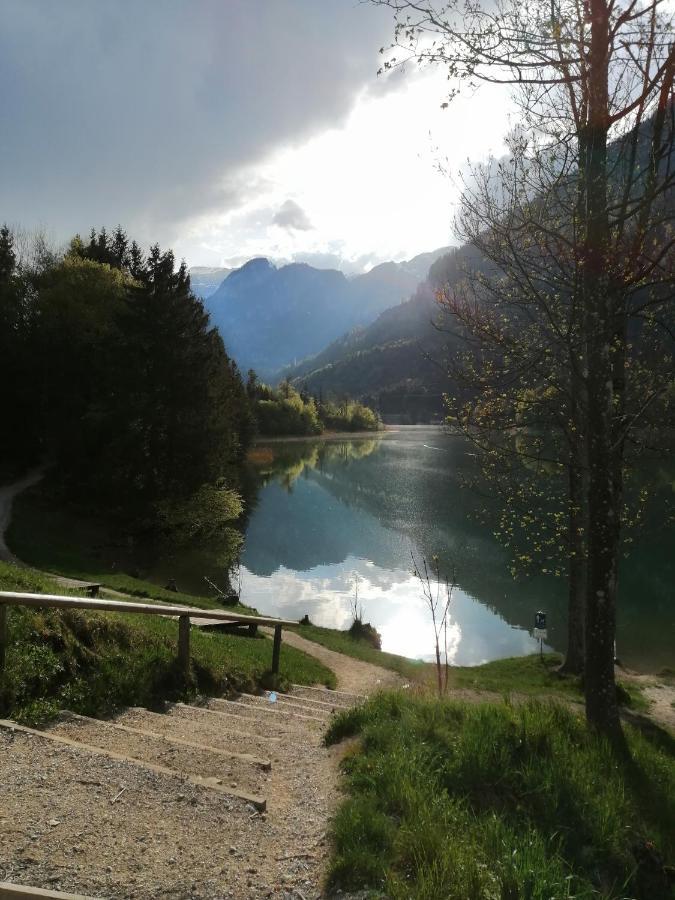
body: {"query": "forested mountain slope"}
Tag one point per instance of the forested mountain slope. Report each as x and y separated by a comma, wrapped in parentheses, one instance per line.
(398, 359)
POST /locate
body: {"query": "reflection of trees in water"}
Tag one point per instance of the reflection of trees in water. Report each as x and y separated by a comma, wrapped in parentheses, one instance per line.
(427, 502)
(286, 462)
(412, 497)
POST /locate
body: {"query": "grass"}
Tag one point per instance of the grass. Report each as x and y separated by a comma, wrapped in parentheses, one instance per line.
(532, 675)
(52, 539)
(484, 801)
(526, 675)
(94, 663)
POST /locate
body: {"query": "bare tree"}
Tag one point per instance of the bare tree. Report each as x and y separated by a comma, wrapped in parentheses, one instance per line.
(355, 605)
(437, 592)
(585, 73)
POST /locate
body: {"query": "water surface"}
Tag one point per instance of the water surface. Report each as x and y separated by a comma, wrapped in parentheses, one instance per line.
(331, 515)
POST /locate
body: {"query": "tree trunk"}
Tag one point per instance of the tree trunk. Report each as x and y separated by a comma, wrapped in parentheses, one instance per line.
(603, 504)
(578, 454)
(577, 572)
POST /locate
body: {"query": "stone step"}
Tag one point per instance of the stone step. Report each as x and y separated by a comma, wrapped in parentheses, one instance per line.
(248, 758)
(88, 824)
(187, 759)
(285, 703)
(207, 782)
(203, 726)
(10, 891)
(330, 696)
(250, 704)
(262, 722)
(326, 706)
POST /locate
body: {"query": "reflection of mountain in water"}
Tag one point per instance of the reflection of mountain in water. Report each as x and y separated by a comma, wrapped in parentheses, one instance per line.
(379, 499)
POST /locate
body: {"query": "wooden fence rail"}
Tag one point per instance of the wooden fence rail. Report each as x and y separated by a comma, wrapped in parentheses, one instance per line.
(182, 613)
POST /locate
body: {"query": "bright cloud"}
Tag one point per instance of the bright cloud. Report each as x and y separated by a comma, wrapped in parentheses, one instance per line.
(241, 128)
(379, 187)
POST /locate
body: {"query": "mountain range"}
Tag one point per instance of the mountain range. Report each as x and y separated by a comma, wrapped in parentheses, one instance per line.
(271, 317)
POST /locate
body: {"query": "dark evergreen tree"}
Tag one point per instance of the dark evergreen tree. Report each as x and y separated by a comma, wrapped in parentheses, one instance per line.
(7, 255)
(119, 249)
(184, 415)
(136, 260)
(17, 370)
(251, 385)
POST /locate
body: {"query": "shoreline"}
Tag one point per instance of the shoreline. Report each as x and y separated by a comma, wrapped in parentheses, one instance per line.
(262, 440)
(325, 436)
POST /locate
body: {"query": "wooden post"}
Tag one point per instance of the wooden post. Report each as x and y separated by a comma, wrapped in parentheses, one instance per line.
(184, 644)
(276, 650)
(3, 635)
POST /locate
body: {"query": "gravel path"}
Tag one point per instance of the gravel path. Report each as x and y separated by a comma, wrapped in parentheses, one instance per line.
(659, 692)
(352, 674)
(7, 494)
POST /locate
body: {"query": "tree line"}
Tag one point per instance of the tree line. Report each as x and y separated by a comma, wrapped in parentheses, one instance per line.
(114, 377)
(285, 410)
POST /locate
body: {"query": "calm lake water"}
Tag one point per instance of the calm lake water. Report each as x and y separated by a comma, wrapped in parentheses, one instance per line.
(330, 513)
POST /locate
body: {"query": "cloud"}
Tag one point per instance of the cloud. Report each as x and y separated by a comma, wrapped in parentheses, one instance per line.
(292, 217)
(146, 113)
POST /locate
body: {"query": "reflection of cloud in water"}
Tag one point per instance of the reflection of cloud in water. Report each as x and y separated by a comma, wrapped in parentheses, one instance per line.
(392, 603)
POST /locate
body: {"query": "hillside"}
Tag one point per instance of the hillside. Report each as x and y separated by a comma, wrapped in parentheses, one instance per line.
(397, 360)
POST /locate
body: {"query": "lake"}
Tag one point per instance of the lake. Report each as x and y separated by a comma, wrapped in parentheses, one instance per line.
(333, 515)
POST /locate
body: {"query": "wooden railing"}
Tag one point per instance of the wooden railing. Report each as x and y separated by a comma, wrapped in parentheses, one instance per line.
(182, 613)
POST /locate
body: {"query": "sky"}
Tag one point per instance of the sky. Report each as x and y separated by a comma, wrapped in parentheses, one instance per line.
(228, 129)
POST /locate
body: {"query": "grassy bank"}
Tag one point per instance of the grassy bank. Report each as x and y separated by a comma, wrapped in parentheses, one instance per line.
(95, 663)
(481, 801)
(523, 675)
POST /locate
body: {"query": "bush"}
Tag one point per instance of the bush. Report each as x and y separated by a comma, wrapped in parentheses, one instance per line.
(285, 412)
(349, 416)
(364, 631)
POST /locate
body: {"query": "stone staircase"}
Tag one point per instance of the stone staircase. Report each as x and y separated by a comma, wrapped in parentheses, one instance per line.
(216, 799)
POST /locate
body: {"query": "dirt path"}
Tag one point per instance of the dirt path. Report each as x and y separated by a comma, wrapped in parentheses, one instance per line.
(353, 675)
(660, 694)
(7, 494)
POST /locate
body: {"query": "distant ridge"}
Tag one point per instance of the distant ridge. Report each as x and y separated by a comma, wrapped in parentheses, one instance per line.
(205, 279)
(272, 316)
(395, 361)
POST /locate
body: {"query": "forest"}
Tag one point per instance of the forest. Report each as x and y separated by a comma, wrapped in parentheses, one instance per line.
(115, 379)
